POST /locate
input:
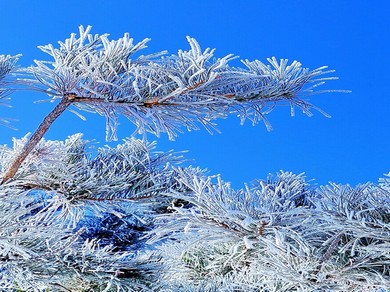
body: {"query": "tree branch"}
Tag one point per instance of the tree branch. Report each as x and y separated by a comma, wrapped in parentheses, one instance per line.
(36, 137)
(146, 103)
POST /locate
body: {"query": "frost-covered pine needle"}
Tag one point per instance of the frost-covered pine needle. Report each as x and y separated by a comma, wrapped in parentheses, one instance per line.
(162, 93)
(130, 219)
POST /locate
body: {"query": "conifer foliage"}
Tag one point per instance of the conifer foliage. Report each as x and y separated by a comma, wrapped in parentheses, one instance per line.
(129, 218)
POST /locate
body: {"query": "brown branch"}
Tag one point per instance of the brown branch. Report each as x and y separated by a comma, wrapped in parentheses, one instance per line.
(224, 225)
(196, 85)
(32, 186)
(147, 103)
(156, 101)
(189, 88)
(140, 198)
(85, 198)
(333, 244)
(37, 136)
(262, 227)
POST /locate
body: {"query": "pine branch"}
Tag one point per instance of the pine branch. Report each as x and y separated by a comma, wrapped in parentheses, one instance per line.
(36, 137)
(334, 238)
(160, 93)
(7, 67)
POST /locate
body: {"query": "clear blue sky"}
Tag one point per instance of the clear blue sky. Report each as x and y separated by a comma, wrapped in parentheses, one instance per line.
(349, 36)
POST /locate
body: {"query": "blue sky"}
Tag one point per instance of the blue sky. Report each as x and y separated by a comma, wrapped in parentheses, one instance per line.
(349, 36)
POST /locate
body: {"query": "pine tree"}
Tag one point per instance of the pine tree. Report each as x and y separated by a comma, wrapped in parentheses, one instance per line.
(130, 218)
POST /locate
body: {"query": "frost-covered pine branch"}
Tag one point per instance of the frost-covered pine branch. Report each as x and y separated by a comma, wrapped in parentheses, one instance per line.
(75, 220)
(162, 93)
(7, 66)
(126, 219)
(278, 235)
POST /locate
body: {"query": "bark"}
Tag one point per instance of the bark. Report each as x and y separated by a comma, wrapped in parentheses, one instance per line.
(36, 137)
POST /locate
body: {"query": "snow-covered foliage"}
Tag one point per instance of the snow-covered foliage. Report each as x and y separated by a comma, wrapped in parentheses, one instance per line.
(280, 234)
(163, 93)
(72, 220)
(7, 66)
(76, 218)
(129, 218)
